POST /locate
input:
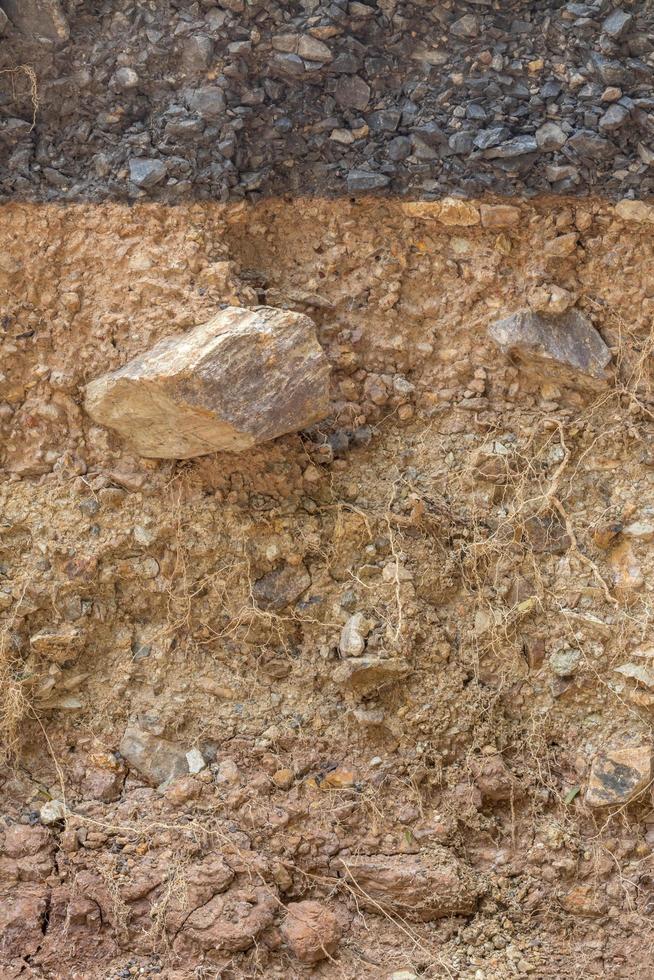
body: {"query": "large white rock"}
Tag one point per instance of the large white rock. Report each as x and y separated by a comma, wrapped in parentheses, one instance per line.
(246, 376)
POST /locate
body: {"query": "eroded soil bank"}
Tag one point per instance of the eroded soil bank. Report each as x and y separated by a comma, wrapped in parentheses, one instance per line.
(399, 665)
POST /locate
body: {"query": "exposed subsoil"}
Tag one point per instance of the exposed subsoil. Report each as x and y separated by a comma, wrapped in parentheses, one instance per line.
(492, 527)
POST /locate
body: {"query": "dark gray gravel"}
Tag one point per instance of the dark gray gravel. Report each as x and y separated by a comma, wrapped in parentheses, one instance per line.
(231, 99)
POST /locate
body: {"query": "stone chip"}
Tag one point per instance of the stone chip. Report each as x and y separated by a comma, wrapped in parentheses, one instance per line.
(281, 587)
(352, 92)
(353, 636)
(145, 173)
(617, 23)
(499, 215)
(550, 137)
(311, 49)
(362, 181)
(453, 212)
(637, 211)
(361, 675)
(208, 101)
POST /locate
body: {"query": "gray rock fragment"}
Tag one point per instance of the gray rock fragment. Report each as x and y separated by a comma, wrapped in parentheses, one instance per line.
(617, 776)
(458, 143)
(311, 49)
(550, 137)
(400, 148)
(246, 376)
(352, 92)
(208, 101)
(384, 120)
(565, 662)
(155, 759)
(353, 636)
(466, 26)
(517, 147)
(567, 347)
(146, 173)
(586, 143)
(197, 53)
(281, 587)
(617, 23)
(52, 812)
(644, 676)
(38, 18)
(195, 761)
(125, 79)
(360, 181)
(493, 136)
(289, 64)
(614, 118)
(555, 173)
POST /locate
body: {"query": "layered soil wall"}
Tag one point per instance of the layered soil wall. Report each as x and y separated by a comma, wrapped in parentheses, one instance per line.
(373, 699)
(397, 665)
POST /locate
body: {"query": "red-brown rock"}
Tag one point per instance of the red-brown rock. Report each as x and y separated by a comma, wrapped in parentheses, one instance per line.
(418, 888)
(26, 854)
(311, 930)
(227, 924)
(22, 914)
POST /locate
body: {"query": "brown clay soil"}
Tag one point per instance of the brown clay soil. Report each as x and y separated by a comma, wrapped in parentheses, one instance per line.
(483, 521)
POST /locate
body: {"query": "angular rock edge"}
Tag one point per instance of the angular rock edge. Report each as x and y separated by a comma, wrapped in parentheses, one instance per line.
(564, 347)
(246, 376)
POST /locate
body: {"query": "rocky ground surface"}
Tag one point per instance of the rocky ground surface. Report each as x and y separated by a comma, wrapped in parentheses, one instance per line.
(373, 699)
(228, 99)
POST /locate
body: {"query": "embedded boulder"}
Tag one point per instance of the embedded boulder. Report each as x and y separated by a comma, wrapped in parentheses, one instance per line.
(362, 675)
(227, 923)
(618, 776)
(156, 759)
(22, 913)
(246, 376)
(565, 348)
(415, 887)
(281, 587)
(38, 18)
(311, 931)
